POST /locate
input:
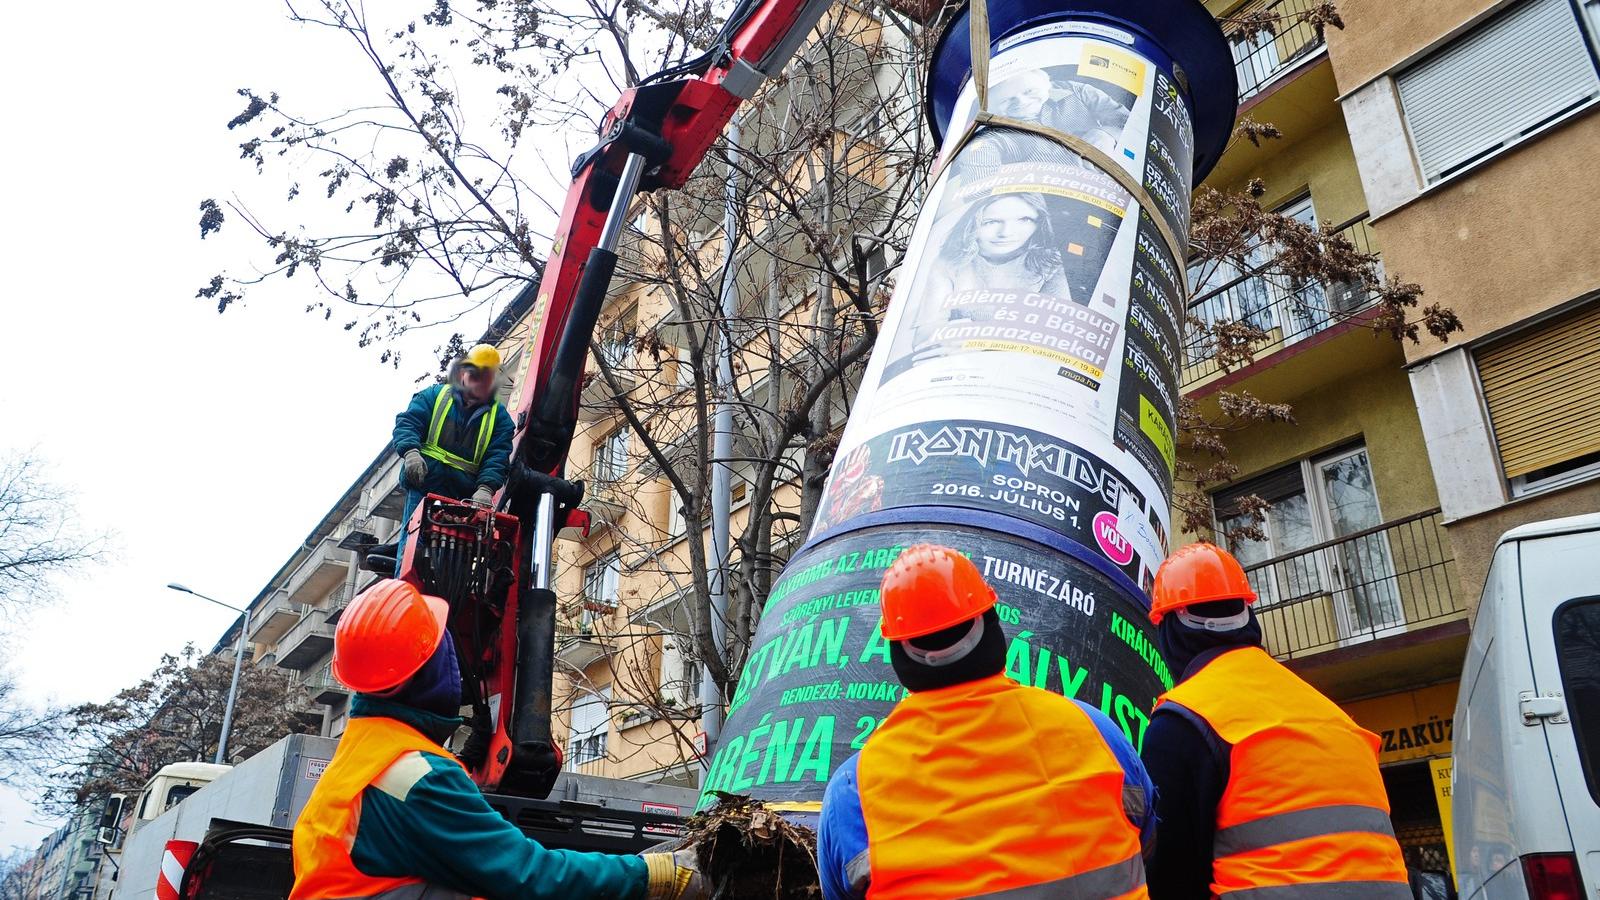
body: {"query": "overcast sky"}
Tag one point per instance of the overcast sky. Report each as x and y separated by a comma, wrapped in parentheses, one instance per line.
(209, 444)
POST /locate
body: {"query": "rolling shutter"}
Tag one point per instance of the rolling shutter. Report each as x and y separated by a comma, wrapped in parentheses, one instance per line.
(1542, 388)
(1491, 87)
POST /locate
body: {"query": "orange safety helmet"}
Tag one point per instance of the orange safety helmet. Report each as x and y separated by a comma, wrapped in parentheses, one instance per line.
(930, 588)
(386, 635)
(1198, 573)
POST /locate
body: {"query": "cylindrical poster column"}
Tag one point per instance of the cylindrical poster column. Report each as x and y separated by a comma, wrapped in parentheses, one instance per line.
(1020, 403)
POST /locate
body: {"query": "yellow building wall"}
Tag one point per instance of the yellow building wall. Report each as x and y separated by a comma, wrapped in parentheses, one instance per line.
(1320, 162)
(1380, 33)
(1508, 240)
(1375, 407)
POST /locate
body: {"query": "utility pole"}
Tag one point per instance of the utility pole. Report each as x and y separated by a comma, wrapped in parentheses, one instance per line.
(238, 659)
(721, 451)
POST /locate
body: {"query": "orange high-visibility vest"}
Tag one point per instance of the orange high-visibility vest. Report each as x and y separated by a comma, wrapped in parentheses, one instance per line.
(991, 786)
(1304, 804)
(326, 829)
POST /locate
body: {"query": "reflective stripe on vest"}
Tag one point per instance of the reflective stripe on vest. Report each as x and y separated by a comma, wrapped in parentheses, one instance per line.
(1116, 880)
(1053, 817)
(326, 830)
(441, 413)
(1304, 815)
(418, 891)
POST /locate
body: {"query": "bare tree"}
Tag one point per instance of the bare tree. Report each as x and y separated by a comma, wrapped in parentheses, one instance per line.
(24, 730)
(174, 715)
(16, 875)
(40, 536)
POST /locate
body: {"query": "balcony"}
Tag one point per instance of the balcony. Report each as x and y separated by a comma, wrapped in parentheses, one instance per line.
(1289, 311)
(273, 618)
(326, 566)
(1385, 589)
(605, 492)
(577, 646)
(597, 400)
(1260, 58)
(307, 642)
(324, 688)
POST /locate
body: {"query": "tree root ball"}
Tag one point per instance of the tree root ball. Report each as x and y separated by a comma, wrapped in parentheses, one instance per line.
(750, 852)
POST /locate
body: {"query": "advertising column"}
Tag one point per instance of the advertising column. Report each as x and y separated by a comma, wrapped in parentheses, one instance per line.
(1020, 404)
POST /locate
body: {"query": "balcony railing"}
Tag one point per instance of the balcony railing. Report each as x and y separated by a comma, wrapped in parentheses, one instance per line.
(1377, 583)
(1286, 309)
(1261, 57)
(324, 688)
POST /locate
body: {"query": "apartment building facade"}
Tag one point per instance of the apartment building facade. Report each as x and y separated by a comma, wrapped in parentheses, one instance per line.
(1453, 141)
(1448, 139)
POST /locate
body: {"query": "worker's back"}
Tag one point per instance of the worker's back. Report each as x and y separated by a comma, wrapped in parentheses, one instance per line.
(1304, 802)
(988, 785)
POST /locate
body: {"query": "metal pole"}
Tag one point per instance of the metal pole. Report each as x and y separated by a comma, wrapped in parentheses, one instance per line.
(238, 660)
(721, 452)
(233, 689)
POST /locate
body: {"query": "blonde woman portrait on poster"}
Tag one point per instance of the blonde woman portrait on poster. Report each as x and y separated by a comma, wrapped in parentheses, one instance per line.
(1005, 242)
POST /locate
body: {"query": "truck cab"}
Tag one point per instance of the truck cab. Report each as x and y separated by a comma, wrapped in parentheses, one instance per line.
(1526, 783)
(171, 785)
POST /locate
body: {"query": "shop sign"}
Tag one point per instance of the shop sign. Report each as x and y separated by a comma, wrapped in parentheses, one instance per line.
(1411, 725)
(1440, 769)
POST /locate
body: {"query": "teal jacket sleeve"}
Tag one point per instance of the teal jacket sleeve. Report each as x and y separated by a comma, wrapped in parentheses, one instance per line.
(492, 472)
(424, 818)
(411, 426)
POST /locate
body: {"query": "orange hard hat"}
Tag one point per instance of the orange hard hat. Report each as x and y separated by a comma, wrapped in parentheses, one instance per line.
(1198, 573)
(386, 635)
(931, 588)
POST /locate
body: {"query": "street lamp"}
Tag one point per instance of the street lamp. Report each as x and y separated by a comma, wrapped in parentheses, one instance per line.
(238, 657)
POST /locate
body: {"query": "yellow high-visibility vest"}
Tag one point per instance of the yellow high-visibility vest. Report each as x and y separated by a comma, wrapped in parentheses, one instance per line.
(441, 412)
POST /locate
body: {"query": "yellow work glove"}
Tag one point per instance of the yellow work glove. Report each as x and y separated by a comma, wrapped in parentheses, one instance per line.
(675, 876)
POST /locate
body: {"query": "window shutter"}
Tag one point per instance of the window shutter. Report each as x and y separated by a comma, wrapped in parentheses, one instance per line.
(1542, 388)
(1497, 83)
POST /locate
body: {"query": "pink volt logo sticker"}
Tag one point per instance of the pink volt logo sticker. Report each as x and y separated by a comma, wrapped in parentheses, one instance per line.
(1117, 548)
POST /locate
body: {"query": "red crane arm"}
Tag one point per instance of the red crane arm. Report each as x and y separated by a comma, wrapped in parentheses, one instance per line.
(654, 137)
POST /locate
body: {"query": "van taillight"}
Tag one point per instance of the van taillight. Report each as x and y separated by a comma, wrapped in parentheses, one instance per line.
(1552, 876)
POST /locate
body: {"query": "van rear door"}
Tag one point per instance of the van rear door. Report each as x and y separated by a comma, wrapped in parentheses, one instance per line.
(1561, 595)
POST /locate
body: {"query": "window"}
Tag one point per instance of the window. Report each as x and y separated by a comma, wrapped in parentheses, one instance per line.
(1311, 506)
(1577, 629)
(1490, 89)
(610, 458)
(685, 370)
(600, 588)
(1542, 390)
(591, 724)
(617, 338)
(877, 264)
(679, 674)
(1255, 60)
(178, 793)
(1254, 294)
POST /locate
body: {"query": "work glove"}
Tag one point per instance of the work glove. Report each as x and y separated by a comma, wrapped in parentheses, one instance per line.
(483, 496)
(414, 468)
(675, 876)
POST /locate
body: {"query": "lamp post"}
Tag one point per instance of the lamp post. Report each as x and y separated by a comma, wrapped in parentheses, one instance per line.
(238, 658)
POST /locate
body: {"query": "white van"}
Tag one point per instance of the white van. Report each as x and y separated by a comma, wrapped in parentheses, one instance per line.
(1526, 786)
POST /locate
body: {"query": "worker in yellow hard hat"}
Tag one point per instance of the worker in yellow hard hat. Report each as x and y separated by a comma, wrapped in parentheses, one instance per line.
(394, 815)
(1265, 787)
(455, 438)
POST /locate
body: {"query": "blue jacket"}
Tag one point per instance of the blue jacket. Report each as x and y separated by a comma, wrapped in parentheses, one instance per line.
(459, 435)
(842, 829)
(426, 819)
